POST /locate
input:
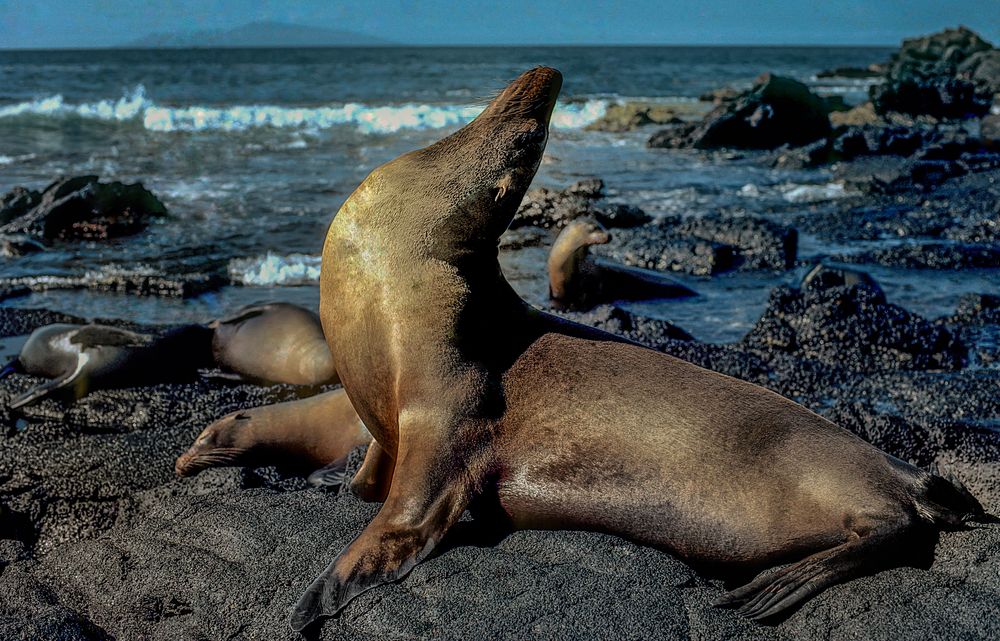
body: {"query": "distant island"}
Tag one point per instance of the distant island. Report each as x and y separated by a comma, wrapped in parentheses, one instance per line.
(258, 34)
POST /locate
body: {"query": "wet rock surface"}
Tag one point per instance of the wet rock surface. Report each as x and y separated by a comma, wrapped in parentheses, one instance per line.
(706, 245)
(138, 282)
(775, 111)
(554, 209)
(633, 115)
(950, 74)
(80, 208)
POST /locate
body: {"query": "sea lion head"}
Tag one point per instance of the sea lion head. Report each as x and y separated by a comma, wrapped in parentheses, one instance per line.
(225, 442)
(568, 253)
(582, 232)
(468, 185)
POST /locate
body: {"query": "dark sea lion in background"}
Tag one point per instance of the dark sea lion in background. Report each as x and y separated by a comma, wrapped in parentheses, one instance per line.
(314, 434)
(478, 400)
(274, 343)
(578, 280)
(82, 358)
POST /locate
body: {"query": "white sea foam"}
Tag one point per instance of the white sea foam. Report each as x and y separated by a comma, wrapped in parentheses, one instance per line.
(273, 269)
(814, 193)
(10, 160)
(369, 119)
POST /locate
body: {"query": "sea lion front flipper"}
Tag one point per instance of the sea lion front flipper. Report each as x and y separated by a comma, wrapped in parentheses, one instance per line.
(36, 394)
(373, 480)
(330, 475)
(422, 505)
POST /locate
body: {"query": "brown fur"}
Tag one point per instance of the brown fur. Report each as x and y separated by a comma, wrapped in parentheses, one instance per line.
(274, 343)
(474, 395)
(305, 434)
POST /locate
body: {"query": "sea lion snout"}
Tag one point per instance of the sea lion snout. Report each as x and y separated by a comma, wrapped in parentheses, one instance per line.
(215, 446)
(533, 94)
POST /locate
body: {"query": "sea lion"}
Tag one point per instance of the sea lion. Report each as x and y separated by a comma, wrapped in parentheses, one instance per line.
(82, 358)
(314, 434)
(274, 343)
(578, 280)
(479, 400)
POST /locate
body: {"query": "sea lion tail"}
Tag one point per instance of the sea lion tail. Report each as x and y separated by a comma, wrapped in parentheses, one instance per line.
(947, 503)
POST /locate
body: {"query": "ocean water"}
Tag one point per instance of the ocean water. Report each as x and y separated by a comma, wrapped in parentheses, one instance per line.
(253, 151)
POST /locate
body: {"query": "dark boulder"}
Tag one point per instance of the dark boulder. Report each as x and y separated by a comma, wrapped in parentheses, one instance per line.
(983, 70)
(676, 136)
(853, 327)
(81, 208)
(978, 309)
(705, 245)
(938, 75)
(632, 115)
(553, 209)
(776, 111)
(621, 215)
(760, 243)
(17, 202)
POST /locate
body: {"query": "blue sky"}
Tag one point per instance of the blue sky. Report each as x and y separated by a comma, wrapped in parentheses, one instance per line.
(96, 23)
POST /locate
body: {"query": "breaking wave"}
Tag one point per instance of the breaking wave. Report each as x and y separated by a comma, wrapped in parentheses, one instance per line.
(135, 106)
(273, 269)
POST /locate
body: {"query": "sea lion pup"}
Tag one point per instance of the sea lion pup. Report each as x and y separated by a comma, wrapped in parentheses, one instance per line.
(274, 343)
(477, 399)
(82, 358)
(578, 280)
(314, 434)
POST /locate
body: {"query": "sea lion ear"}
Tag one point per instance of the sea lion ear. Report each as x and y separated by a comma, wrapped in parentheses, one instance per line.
(505, 183)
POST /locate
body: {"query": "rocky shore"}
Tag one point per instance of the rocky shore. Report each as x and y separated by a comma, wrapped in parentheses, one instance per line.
(99, 540)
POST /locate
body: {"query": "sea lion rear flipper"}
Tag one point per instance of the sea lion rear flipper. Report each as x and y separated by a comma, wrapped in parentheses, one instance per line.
(36, 394)
(423, 503)
(779, 592)
(330, 475)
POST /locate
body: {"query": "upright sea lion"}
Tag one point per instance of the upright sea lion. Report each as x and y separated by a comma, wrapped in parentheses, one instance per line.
(478, 399)
(578, 280)
(82, 358)
(274, 343)
(315, 434)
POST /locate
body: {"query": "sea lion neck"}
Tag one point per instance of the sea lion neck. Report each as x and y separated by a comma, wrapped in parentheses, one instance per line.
(477, 176)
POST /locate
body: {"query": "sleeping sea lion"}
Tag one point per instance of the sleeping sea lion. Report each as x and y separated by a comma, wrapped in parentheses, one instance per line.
(478, 400)
(274, 343)
(314, 434)
(82, 358)
(578, 280)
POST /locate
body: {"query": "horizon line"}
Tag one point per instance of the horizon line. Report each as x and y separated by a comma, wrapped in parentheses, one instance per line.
(445, 46)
